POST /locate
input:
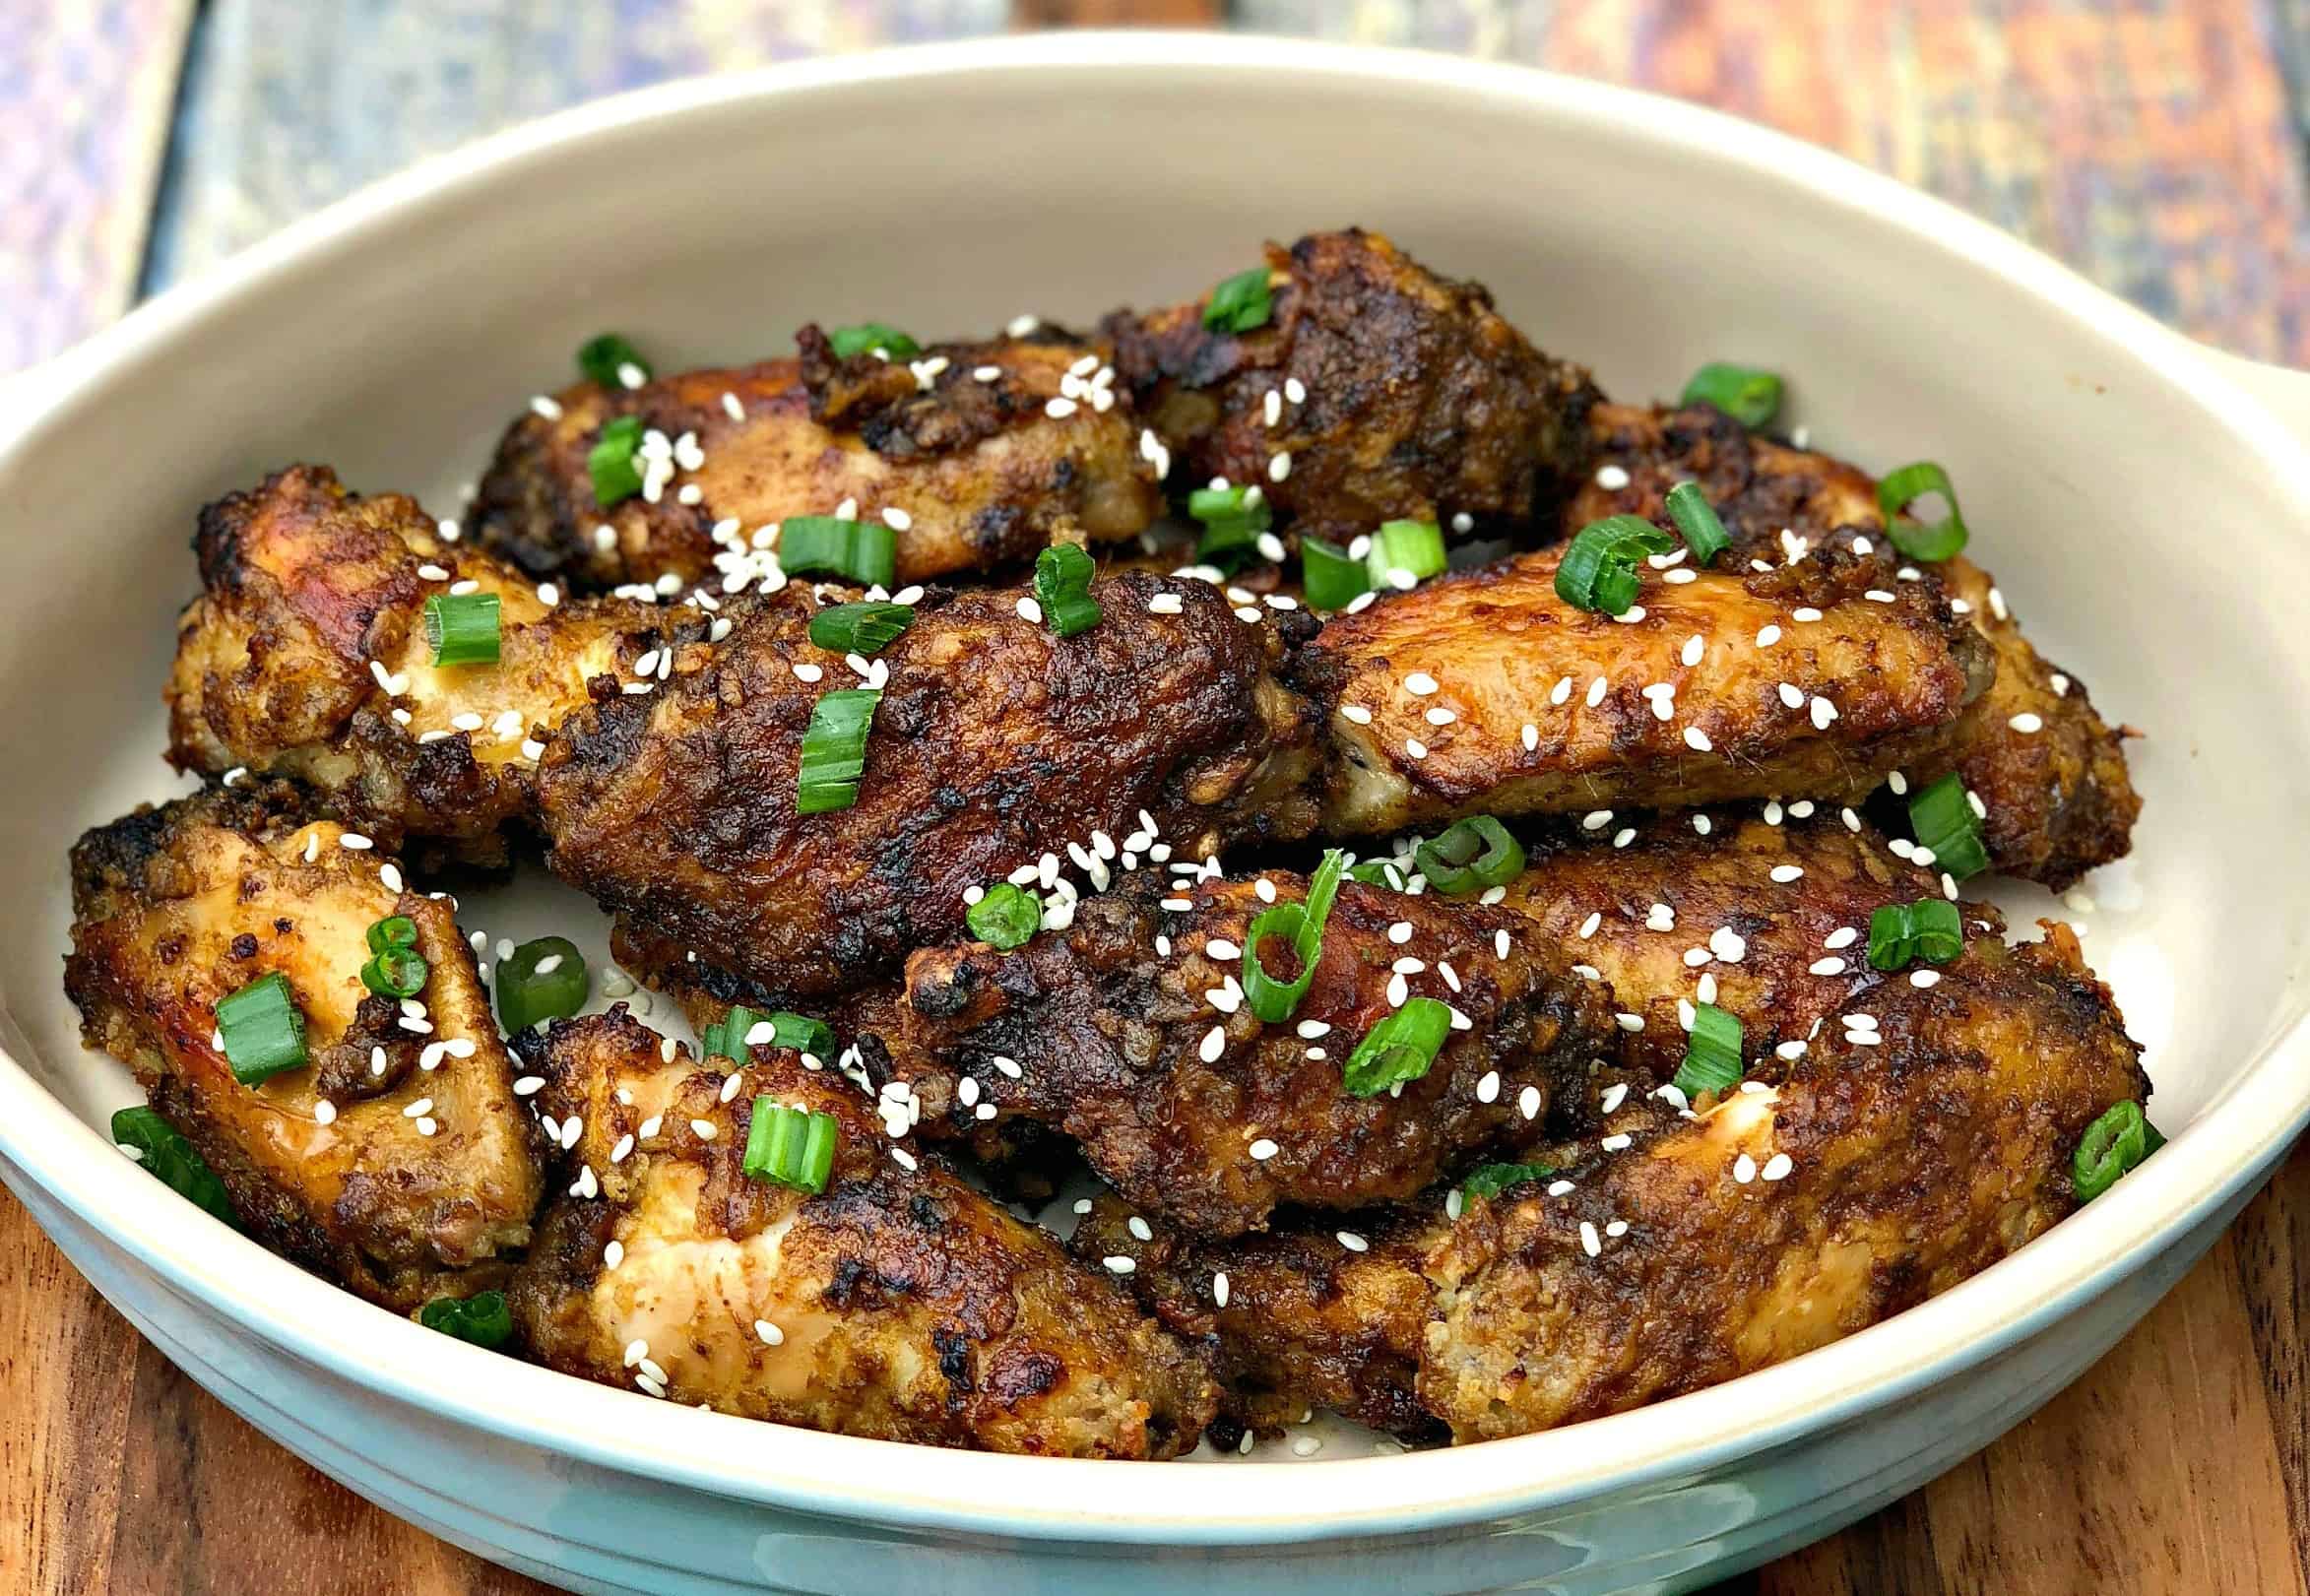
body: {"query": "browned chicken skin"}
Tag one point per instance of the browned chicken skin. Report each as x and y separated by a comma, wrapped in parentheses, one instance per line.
(1871, 1177)
(979, 470)
(178, 907)
(1184, 1098)
(2059, 798)
(897, 1303)
(1418, 401)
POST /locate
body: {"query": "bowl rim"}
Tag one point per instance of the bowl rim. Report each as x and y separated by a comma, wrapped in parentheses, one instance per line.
(2235, 1139)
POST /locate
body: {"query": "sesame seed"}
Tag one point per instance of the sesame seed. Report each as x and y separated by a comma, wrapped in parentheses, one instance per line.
(703, 1128)
(1589, 925)
(1214, 1044)
(1029, 610)
(2026, 722)
(1419, 684)
(1778, 1167)
(1059, 410)
(1487, 1089)
(1355, 713)
(1616, 1143)
(1625, 836)
(1766, 636)
(1219, 1289)
(1280, 466)
(1785, 873)
(1595, 819)
(1693, 648)
(1727, 944)
(1630, 616)
(1263, 1150)
(1528, 1103)
(1697, 740)
(1612, 478)
(1878, 596)
(1805, 613)
(1744, 1169)
(1925, 977)
(1597, 692)
(1630, 1022)
(1500, 944)
(1827, 967)
(1588, 1241)
(1118, 1263)
(1561, 691)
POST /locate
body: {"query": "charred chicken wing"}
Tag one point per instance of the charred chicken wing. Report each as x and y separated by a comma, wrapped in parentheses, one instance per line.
(894, 1303)
(396, 1160)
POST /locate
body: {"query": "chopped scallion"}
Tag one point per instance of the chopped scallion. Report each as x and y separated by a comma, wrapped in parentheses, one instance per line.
(870, 336)
(1007, 917)
(543, 979)
(834, 751)
(2112, 1145)
(1712, 1053)
(1381, 872)
(264, 1031)
(1491, 1180)
(1697, 520)
(790, 1147)
(1404, 553)
(393, 930)
(1240, 302)
(1903, 488)
(605, 360)
(172, 1160)
(1598, 571)
(1470, 855)
(461, 627)
(859, 628)
(1233, 519)
(726, 1037)
(1929, 928)
(1749, 396)
(1301, 925)
(864, 551)
(1062, 587)
(398, 972)
(483, 1320)
(1944, 819)
(1400, 1048)
(610, 461)
(1330, 580)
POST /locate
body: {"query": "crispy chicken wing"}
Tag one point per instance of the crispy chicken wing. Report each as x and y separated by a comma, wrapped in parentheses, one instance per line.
(397, 1162)
(897, 1303)
(974, 472)
(1129, 1031)
(1484, 691)
(307, 656)
(1875, 1174)
(2052, 774)
(1401, 395)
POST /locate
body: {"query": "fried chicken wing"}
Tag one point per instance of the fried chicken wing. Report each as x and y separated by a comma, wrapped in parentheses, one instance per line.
(1401, 395)
(397, 1162)
(994, 743)
(1129, 1031)
(1484, 691)
(973, 470)
(2051, 774)
(1878, 1173)
(896, 1303)
(307, 656)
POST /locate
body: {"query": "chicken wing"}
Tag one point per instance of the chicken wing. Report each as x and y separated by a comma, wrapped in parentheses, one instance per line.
(1484, 691)
(397, 1162)
(1129, 1031)
(1674, 1253)
(977, 454)
(2051, 774)
(1375, 391)
(896, 1303)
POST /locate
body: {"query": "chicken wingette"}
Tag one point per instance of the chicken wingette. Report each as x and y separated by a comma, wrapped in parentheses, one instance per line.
(1889, 1163)
(895, 1302)
(1372, 389)
(1484, 691)
(975, 454)
(2050, 773)
(658, 751)
(397, 1160)
(1129, 1031)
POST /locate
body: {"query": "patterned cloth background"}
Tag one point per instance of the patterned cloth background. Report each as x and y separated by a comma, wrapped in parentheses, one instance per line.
(2156, 145)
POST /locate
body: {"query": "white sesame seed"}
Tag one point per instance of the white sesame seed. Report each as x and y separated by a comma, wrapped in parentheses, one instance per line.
(2026, 722)
(1697, 740)
(1625, 836)
(1616, 1143)
(703, 1129)
(1785, 873)
(1631, 615)
(1694, 647)
(1595, 819)
(1630, 1022)
(1118, 1263)
(1766, 636)
(1059, 410)
(1263, 1150)
(1280, 466)
(1778, 1167)
(1727, 944)
(1588, 1241)
(1925, 977)
(1805, 613)
(1214, 1044)
(1596, 691)
(1612, 478)
(1744, 1169)
(1528, 1103)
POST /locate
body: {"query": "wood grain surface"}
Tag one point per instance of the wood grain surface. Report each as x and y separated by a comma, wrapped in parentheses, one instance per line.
(2156, 145)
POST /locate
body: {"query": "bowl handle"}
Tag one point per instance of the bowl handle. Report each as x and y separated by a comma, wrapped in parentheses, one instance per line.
(2286, 392)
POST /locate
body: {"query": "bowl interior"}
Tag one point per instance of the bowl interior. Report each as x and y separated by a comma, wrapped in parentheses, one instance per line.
(2145, 547)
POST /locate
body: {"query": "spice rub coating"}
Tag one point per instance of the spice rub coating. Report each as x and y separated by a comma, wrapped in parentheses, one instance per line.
(1415, 400)
(973, 472)
(897, 1303)
(178, 907)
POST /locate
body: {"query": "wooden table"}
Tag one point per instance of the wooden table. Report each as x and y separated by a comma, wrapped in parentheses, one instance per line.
(2151, 142)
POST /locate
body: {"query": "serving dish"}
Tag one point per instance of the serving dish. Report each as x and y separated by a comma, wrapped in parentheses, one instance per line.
(391, 334)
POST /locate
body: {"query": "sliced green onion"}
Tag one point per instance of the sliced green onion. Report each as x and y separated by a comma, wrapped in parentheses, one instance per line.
(1749, 396)
(1472, 854)
(1903, 488)
(834, 751)
(728, 1037)
(1062, 587)
(461, 627)
(264, 1030)
(1491, 1180)
(1382, 872)
(1943, 817)
(1007, 917)
(172, 1160)
(1329, 579)
(1598, 571)
(1240, 302)
(859, 628)
(873, 335)
(1301, 925)
(398, 972)
(1696, 518)
(605, 359)
(610, 461)
(790, 1147)
(393, 930)
(1400, 1048)
(543, 979)
(483, 1319)
(866, 551)
(1233, 519)
(1712, 1053)
(1928, 929)
(2112, 1145)
(1404, 553)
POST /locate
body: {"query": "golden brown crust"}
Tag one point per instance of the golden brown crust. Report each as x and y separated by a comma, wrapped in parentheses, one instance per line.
(2059, 798)
(994, 743)
(1878, 684)
(898, 1304)
(983, 473)
(178, 907)
(1197, 1109)
(1911, 1163)
(1421, 402)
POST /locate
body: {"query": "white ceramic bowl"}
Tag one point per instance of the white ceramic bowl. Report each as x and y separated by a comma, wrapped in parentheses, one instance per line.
(2141, 506)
